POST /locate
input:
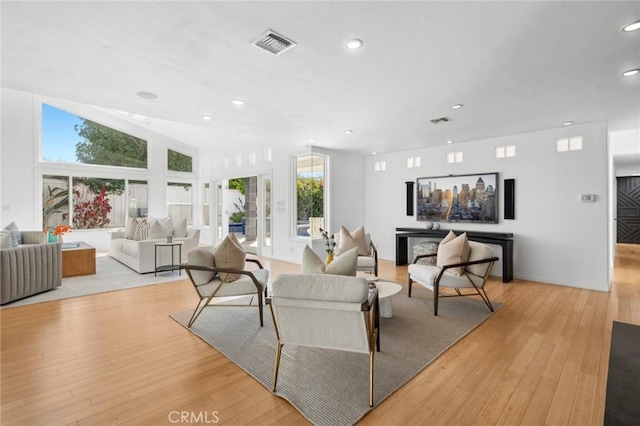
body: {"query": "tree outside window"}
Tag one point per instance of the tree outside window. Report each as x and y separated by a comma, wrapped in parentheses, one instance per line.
(310, 194)
(69, 138)
(178, 162)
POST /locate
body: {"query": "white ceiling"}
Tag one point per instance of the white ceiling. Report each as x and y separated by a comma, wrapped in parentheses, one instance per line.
(516, 67)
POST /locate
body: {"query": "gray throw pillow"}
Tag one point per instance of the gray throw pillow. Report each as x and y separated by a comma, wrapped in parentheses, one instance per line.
(15, 232)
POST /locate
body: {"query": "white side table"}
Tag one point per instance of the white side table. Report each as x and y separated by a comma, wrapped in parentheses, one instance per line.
(386, 289)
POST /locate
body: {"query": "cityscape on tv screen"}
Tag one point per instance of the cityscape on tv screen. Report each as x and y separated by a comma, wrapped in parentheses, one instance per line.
(464, 198)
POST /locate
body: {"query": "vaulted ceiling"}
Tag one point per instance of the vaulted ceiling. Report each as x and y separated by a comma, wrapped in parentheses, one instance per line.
(515, 66)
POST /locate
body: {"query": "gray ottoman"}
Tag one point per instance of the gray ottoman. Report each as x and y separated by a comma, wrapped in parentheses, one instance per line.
(430, 247)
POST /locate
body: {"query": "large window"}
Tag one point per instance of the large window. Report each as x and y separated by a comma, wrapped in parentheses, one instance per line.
(180, 201)
(68, 138)
(92, 202)
(310, 197)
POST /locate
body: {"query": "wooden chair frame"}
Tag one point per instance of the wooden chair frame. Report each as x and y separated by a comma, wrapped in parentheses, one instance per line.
(436, 284)
(207, 299)
(372, 321)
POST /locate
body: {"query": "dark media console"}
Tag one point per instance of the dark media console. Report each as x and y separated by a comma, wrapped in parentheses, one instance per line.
(504, 240)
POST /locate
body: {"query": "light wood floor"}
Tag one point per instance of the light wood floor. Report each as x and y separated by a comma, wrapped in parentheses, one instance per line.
(118, 358)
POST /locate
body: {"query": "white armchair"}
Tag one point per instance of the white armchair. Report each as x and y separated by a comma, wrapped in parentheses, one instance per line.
(209, 281)
(325, 311)
(475, 274)
(367, 263)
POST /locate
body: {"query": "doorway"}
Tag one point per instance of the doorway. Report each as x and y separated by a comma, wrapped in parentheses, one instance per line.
(628, 209)
(244, 209)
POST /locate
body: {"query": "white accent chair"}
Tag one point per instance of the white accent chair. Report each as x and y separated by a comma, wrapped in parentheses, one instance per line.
(325, 311)
(205, 277)
(365, 263)
(476, 272)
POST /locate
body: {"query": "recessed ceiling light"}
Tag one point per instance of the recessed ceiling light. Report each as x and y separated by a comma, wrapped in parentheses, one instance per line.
(631, 72)
(147, 96)
(312, 141)
(456, 106)
(206, 117)
(237, 102)
(449, 141)
(568, 123)
(631, 27)
(348, 132)
(353, 44)
(373, 153)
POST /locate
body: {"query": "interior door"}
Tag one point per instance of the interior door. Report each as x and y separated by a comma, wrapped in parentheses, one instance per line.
(628, 209)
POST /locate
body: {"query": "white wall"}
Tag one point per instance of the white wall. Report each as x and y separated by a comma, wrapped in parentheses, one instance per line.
(557, 238)
(21, 170)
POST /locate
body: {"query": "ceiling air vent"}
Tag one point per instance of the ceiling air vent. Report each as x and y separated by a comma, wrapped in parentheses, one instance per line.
(440, 120)
(273, 42)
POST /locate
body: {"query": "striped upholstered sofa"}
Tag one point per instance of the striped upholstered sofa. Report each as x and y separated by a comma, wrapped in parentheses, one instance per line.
(31, 268)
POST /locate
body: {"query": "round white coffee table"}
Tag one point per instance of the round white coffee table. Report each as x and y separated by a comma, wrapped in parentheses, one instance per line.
(386, 289)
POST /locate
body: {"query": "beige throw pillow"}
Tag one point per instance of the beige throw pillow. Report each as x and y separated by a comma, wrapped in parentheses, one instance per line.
(311, 262)
(180, 228)
(202, 256)
(345, 264)
(159, 230)
(349, 240)
(130, 229)
(235, 240)
(229, 255)
(452, 250)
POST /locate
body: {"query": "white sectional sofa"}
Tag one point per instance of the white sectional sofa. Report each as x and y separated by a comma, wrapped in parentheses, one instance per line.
(140, 255)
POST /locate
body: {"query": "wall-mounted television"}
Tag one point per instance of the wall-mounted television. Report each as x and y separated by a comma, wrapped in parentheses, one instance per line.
(458, 198)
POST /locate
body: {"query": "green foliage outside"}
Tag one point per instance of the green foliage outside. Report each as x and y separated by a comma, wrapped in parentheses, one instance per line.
(178, 162)
(310, 197)
(237, 217)
(54, 200)
(106, 146)
(238, 184)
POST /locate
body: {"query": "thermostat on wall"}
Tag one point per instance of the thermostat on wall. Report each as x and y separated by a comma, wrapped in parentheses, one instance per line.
(588, 198)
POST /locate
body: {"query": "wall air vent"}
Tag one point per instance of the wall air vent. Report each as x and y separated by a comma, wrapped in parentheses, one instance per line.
(440, 120)
(273, 42)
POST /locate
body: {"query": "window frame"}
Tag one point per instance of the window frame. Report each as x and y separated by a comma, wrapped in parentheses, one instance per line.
(75, 174)
(40, 149)
(294, 226)
(192, 203)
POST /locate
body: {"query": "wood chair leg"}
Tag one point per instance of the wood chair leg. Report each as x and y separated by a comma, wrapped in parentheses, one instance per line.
(371, 356)
(277, 366)
(199, 308)
(260, 308)
(436, 291)
(410, 283)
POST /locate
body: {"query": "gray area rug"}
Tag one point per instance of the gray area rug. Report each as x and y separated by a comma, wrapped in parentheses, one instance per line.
(110, 275)
(331, 387)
